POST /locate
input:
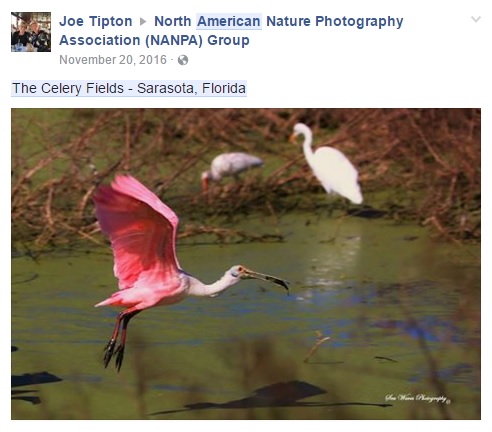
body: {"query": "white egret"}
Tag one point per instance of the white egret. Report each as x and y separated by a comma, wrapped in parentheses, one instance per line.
(332, 168)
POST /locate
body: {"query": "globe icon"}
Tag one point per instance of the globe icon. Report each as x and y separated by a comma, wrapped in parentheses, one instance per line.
(183, 60)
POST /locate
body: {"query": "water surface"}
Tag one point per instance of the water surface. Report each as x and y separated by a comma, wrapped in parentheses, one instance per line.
(402, 313)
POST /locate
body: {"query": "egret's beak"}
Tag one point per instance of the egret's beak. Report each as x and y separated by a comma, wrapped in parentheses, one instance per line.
(250, 274)
(292, 137)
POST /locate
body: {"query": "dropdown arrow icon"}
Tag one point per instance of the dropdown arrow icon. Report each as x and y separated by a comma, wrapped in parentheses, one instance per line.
(476, 19)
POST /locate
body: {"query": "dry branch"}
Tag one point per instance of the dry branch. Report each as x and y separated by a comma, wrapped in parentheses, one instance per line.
(427, 160)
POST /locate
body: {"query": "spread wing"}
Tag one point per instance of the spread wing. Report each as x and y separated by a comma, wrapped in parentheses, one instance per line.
(142, 231)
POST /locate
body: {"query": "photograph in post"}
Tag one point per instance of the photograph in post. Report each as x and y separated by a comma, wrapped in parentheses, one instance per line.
(245, 263)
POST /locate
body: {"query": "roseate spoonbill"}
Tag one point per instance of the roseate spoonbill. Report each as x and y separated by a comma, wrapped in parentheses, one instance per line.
(142, 230)
(229, 164)
(332, 168)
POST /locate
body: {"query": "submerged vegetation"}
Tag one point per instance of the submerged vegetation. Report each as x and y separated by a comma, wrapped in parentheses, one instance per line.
(414, 164)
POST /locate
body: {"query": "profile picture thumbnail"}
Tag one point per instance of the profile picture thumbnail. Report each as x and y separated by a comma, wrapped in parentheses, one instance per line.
(30, 32)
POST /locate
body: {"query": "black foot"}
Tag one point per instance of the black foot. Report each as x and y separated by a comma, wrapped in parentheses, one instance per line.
(108, 352)
(120, 352)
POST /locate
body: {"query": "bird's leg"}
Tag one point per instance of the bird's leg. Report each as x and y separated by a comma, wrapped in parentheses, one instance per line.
(237, 184)
(109, 349)
(120, 351)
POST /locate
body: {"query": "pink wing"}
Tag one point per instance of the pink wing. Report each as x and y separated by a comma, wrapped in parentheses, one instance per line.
(142, 230)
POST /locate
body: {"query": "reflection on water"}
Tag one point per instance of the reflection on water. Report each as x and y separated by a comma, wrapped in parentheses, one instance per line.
(402, 313)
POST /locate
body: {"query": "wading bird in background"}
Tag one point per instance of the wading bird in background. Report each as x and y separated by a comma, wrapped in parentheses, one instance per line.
(229, 164)
(332, 168)
(142, 230)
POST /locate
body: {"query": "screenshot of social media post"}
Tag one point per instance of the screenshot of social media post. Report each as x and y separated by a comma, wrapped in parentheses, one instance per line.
(246, 211)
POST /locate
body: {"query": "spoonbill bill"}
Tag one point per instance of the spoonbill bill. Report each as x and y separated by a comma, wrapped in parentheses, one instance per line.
(142, 230)
(332, 168)
(229, 164)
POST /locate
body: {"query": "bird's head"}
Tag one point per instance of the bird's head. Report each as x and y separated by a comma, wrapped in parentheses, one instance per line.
(241, 272)
(299, 129)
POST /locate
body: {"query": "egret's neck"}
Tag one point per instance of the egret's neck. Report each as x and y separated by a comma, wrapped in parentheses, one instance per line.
(306, 146)
(200, 289)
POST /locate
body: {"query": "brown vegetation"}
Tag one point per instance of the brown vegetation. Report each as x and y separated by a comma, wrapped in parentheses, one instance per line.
(421, 164)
